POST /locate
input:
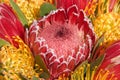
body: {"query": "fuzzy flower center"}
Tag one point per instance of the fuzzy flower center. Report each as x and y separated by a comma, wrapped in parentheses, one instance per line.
(63, 33)
(56, 35)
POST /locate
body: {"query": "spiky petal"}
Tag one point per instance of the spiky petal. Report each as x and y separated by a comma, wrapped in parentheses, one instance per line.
(63, 39)
(87, 5)
(112, 5)
(110, 67)
(9, 24)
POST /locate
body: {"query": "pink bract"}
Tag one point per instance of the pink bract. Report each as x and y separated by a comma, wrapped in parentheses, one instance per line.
(81, 4)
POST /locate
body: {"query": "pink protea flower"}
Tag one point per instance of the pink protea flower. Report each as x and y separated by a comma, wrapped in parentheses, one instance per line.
(110, 67)
(63, 39)
(9, 24)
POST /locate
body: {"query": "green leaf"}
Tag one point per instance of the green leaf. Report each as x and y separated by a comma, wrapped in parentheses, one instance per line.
(96, 46)
(97, 62)
(81, 65)
(46, 8)
(3, 42)
(19, 13)
(22, 77)
(35, 78)
(80, 72)
(45, 74)
(1, 69)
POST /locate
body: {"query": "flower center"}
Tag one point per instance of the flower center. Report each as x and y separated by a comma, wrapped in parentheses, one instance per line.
(62, 38)
(63, 32)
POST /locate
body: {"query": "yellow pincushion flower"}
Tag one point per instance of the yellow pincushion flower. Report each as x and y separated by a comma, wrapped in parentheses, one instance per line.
(109, 24)
(107, 21)
(17, 61)
(31, 8)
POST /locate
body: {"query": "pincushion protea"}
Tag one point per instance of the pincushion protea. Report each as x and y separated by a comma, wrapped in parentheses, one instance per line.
(107, 21)
(9, 24)
(63, 39)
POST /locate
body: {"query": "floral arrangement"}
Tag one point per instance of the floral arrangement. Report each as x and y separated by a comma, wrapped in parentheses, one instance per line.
(59, 39)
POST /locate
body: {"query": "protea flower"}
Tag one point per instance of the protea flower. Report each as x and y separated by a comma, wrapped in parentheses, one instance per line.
(88, 6)
(16, 61)
(63, 39)
(107, 21)
(10, 26)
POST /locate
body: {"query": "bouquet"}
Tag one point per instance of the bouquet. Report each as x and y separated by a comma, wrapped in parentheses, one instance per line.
(59, 40)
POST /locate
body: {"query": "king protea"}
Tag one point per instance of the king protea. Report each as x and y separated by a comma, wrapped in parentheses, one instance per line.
(63, 39)
(10, 26)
